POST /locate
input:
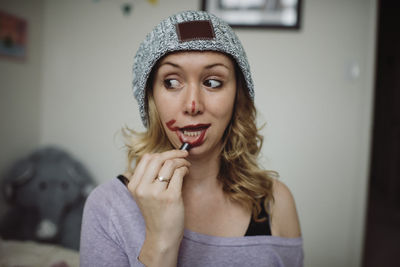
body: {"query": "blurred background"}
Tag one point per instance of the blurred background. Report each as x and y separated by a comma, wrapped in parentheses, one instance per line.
(314, 90)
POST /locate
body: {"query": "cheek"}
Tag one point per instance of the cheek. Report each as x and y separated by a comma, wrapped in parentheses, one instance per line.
(223, 107)
(162, 105)
(166, 113)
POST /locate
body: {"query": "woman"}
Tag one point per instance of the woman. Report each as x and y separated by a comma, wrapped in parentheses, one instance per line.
(208, 205)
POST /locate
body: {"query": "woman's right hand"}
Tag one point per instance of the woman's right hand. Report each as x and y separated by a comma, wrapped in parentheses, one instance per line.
(161, 204)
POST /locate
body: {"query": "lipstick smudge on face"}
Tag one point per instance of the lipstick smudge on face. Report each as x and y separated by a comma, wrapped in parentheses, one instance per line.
(193, 106)
(169, 125)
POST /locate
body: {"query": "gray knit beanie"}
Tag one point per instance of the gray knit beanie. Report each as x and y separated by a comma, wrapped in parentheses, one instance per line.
(189, 30)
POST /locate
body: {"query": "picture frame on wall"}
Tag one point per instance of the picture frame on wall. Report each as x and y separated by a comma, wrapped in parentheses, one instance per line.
(13, 36)
(280, 14)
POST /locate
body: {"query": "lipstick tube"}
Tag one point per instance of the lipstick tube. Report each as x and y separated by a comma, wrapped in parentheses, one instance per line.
(185, 146)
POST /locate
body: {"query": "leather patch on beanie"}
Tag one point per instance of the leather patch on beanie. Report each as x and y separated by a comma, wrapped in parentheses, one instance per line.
(195, 30)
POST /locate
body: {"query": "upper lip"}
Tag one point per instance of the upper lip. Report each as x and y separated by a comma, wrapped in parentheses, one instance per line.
(195, 126)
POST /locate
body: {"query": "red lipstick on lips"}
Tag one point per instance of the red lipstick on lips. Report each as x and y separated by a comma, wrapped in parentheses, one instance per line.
(192, 140)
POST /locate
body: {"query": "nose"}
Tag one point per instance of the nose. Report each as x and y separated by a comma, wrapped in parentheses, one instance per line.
(194, 101)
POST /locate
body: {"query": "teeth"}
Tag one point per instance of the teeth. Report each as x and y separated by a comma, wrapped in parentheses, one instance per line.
(190, 133)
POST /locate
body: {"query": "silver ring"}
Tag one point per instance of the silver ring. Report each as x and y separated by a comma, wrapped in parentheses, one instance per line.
(163, 179)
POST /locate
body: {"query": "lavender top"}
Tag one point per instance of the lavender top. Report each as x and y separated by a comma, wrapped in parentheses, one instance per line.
(113, 232)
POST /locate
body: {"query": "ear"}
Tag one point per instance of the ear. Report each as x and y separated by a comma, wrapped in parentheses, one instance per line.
(87, 189)
(85, 179)
(20, 173)
(81, 176)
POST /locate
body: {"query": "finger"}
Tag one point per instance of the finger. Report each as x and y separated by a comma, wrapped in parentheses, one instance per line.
(175, 185)
(167, 171)
(127, 175)
(170, 165)
(139, 171)
(157, 161)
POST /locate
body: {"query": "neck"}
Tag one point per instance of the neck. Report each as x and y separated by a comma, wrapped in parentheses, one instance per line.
(203, 174)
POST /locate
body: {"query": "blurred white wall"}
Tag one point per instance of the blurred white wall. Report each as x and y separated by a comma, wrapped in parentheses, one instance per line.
(20, 89)
(318, 114)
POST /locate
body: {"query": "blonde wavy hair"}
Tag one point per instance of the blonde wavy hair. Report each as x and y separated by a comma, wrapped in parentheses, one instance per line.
(241, 177)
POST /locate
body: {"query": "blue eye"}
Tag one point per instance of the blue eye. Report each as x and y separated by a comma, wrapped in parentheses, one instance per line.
(213, 83)
(171, 83)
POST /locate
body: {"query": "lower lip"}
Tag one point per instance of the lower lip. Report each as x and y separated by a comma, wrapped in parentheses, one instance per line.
(197, 142)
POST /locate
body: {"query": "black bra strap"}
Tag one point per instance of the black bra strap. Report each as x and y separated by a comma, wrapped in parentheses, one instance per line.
(123, 179)
(259, 228)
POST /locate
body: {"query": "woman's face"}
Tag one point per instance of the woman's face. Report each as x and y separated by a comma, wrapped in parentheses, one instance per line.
(194, 93)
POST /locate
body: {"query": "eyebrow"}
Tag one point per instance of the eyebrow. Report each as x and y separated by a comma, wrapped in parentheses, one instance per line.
(216, 65)
(207, 66)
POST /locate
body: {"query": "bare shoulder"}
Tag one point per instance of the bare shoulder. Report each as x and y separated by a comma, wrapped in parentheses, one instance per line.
(284, 218)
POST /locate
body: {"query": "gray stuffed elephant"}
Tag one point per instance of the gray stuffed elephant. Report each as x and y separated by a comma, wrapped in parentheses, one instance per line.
(46, 192)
